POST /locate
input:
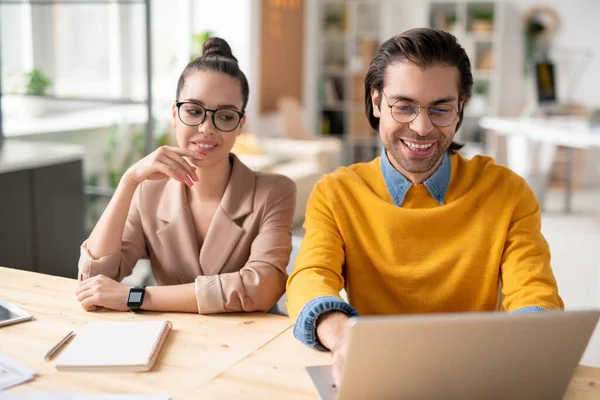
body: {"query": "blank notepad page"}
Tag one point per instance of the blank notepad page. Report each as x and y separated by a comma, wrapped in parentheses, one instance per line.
(114, 344)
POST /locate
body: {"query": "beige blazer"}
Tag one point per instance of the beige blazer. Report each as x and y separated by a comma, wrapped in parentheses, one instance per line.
(241, 265)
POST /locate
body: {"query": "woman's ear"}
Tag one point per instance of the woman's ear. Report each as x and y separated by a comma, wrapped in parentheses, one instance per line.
(242, 124)
(376, 101)
(173, 115)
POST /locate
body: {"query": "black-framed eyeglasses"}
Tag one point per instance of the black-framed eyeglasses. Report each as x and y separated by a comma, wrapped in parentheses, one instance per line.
(193, 114)
(405, 111)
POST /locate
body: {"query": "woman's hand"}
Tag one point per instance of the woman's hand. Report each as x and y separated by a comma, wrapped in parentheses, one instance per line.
(165, 162)
(102, 292)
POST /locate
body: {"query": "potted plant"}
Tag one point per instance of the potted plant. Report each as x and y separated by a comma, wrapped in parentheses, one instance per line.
(198, 40)
(482, 21)
(478, 104)
(36, 86)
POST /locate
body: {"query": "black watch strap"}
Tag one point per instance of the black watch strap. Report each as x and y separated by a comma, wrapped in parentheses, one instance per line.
(135, 299)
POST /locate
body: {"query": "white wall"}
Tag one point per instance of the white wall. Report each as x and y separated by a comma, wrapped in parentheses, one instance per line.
(578, 30)
(229, 19)
(236, 21)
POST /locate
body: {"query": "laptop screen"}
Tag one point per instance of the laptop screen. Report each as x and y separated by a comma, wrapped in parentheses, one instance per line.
(545, 82)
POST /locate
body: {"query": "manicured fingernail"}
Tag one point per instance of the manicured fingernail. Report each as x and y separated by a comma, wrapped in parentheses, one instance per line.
(189, 182)
(195, 177)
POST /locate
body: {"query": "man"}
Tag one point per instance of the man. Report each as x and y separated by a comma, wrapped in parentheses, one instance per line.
(419, 229)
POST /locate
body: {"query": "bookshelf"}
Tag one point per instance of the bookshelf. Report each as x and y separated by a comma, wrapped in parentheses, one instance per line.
(489, 32)
(349, 35)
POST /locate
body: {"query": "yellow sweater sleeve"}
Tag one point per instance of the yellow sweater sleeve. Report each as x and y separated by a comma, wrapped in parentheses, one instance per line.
(318, 267)
(527, 277)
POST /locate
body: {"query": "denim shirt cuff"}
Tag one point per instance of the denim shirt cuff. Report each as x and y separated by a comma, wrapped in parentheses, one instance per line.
(305, 328)
(528, 309)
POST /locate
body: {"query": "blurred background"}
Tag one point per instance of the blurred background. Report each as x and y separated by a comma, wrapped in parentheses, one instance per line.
(87, 88)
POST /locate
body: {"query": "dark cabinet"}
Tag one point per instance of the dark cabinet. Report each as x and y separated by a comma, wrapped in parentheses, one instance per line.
(41, 218)
(16, 221)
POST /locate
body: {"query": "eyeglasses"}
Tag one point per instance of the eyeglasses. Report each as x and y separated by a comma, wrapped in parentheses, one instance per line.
(404, 111)
(193, 114)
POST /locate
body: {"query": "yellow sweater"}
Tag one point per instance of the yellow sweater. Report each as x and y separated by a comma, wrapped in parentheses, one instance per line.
(424, 257)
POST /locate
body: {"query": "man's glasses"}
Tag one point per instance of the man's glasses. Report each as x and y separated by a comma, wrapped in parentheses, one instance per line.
(193, 114)
(404, 111)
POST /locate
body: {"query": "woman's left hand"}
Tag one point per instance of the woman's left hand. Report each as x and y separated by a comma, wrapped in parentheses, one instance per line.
(102, 292)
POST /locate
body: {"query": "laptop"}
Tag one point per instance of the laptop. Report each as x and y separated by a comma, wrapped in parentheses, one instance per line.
(486, 355)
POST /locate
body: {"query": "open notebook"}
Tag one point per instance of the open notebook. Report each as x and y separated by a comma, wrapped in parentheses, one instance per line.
(115, 346)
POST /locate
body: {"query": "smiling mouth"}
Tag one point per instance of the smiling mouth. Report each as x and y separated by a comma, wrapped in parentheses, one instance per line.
(417, 147)
(205, 146)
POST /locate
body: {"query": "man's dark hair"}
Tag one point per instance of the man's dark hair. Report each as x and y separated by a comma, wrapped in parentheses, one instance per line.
(425, 48)
(217, 57)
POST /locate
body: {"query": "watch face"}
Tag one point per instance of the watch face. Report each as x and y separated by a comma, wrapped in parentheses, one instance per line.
(135, 297)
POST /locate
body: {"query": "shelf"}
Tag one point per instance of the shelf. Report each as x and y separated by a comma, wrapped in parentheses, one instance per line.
(337, 71)
(334, 36)
(334, 107)
(78, 120)
(482, 75)
(363, 141)
(69, 2)
(361, 35)
(482, 37)
(345, 106)
(473, 116)
(349, 38)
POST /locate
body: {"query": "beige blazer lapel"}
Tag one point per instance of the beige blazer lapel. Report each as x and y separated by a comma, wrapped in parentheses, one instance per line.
(176, 231)
(226, 229)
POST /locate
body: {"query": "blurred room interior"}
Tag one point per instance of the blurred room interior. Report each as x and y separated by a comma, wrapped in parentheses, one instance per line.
(76, 109)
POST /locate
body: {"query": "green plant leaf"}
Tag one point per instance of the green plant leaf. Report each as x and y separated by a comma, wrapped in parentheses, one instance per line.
(37, 83)
(198, 40)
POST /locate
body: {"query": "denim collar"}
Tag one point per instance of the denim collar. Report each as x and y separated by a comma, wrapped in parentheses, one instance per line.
(398, 185)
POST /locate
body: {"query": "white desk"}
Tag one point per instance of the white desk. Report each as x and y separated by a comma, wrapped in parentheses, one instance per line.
(546, 134)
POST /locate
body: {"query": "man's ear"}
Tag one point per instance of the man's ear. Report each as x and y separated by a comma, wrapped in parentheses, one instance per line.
(461, 105)
(376, 101)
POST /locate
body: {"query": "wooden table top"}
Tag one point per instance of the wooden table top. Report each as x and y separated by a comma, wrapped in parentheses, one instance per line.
(199, 347)
(275, 371)
(250, 356)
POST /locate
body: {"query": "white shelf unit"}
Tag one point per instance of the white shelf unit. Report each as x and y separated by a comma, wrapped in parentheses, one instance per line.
(348, 37)
(502, 84)
(489, 32)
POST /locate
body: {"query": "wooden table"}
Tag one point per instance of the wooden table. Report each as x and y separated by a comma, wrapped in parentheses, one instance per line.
(276, 371)
(230, 356)
(199, 348)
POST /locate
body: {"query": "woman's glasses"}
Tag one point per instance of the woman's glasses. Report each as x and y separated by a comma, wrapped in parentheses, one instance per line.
(193, 114)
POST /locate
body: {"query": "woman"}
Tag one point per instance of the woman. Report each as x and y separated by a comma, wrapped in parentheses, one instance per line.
(217, 234)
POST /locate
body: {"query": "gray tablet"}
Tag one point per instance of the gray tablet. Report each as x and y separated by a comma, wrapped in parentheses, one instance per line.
(11, 314)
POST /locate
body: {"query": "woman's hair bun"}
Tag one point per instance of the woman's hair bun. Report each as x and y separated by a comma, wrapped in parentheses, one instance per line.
(217, 47)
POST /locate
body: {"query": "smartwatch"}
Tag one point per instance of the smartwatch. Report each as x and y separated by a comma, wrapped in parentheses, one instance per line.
(136, 298)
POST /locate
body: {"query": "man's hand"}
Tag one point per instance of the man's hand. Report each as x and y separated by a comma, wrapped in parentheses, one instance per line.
(101, 291)
(332, 333)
